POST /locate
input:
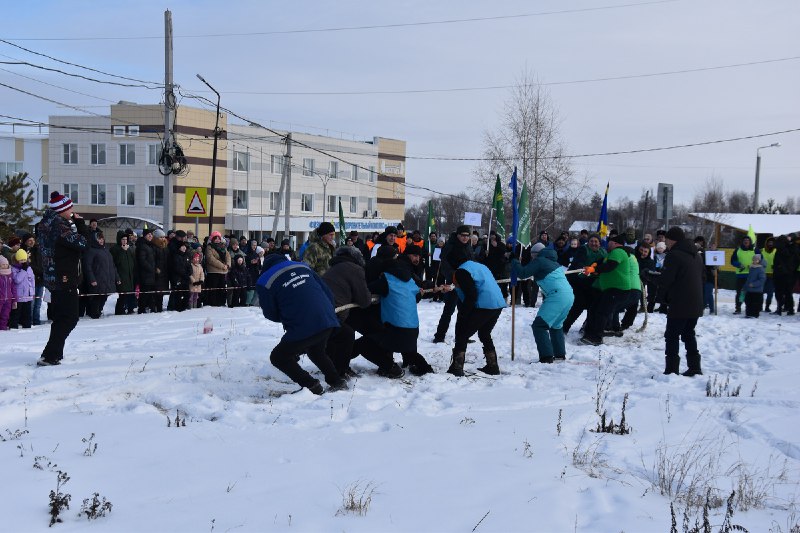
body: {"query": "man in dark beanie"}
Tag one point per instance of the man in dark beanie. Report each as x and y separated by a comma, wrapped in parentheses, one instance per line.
(460, 242)
(388, 237)
(320, 248)
(63, 238)
(681, 287)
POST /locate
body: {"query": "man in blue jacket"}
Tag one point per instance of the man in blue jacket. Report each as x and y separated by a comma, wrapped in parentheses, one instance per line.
(294, 295)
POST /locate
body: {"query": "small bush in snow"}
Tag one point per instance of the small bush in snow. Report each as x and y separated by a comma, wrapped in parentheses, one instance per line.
(94, 508)
(58, 500)
(356, 498)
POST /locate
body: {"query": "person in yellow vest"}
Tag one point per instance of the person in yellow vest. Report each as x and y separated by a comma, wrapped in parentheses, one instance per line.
(768, 260)
(742, 258)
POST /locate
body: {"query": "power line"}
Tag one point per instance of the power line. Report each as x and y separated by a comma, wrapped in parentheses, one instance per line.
(505, 87)
(57, 86)
(360, 27)
(74, 64)
(41, 67)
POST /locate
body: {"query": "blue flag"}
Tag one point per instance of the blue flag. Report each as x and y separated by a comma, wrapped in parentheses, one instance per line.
(602, 223)
(512, 236)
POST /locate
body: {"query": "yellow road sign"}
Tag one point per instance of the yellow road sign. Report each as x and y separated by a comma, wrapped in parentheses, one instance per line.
(196, 201)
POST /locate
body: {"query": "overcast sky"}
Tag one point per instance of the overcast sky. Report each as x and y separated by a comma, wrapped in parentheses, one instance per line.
(433, 47)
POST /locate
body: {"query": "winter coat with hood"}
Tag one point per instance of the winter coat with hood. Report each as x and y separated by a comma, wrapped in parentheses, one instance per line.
(145, 263)
(35, 260)
(399, 296)
(180, 266)
(345, 278)
(681, 282)
(8, 289)
(24, 282)
(61, 242)
(756, 278)
(786, 260)
(125, 263)
(98, 268)
(162, 263)
(238, 276)
(294, 295)
(319, 253)
(217, 258)
(496, 259)
(549, 275)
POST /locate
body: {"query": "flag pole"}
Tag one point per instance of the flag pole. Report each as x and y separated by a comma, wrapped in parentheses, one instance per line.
(490, 230)
(513, 308)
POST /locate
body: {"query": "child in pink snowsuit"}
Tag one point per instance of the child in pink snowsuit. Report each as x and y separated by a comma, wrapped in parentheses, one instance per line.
(8, 293)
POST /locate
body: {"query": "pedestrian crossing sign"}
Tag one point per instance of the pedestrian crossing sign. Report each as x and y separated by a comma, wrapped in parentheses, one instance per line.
(196, 200)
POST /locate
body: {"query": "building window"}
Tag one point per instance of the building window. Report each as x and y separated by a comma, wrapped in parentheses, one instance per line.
(307, 203)
(119, 131)
(333, 204)
(333, 169)
(241, 161)
(98, 194)
(133, 131)
(152, 153)
(371, 205)
(354, 204)
(276, 162)
(275, 202)
(372, 173)
(70, 154)
(308, 167)
(127, 195)
(354, 177)
(239, 199)
(127, 154)
(98, 154)
(71, 190)
(155, 195)
(45, 193)
(9, 169)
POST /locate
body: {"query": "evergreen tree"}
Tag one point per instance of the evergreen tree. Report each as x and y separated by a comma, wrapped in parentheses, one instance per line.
(16, 205)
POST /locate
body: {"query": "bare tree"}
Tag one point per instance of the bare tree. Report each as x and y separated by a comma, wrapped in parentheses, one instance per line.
(528, 138)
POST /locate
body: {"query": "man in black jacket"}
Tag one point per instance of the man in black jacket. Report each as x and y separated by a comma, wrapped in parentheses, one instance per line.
(681, 287)
(63, 239)
(458, 241)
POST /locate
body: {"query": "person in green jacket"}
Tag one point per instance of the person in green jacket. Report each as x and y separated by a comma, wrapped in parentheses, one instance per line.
(613, 280)
(742, 258)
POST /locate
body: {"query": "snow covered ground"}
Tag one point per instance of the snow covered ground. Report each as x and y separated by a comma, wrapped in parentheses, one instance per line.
(514, 452)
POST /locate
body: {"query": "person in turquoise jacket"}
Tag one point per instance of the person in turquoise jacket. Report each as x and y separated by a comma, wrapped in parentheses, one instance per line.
(558, 299)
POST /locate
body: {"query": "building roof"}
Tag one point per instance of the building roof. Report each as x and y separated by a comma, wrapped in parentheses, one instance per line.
(773, 224)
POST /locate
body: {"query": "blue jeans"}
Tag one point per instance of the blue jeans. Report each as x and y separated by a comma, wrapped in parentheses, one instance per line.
(36, 308)
(708, 296)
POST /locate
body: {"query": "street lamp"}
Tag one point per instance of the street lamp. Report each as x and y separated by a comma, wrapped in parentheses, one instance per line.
(38, 186)
(758, 170)
(213, 160)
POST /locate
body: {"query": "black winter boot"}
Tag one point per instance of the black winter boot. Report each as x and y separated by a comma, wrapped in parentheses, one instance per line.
(491, 367)
(457, 364)
(419, 366)
(693, 360)
(672, 364)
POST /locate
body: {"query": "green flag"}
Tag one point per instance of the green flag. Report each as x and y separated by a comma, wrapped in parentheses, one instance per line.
(430, 228)
(524, 232)
(342, 229)
(499, 213)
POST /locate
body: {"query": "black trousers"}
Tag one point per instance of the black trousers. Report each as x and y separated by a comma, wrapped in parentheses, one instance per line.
(215, 296)
(450, 300)
(601, 310)
(94, 304)
(147, 300)
(478, 320)
(752, 303)
(21, 316)
(285, 355)
(368, 324)
(584, 296)
(126, 303)
(340, 347)
(677, 329)
(63, 310)
(783, 293)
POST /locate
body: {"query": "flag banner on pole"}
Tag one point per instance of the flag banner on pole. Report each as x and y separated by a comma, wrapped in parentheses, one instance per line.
(499, 213)
(342, 229)
(524, 230)
(512, 236)
(602, 223)
(751, 234)
(431, 227)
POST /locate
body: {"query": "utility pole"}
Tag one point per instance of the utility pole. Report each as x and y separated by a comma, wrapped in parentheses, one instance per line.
(169, 107)
(217, 133)
(287, 169)
(279, 206)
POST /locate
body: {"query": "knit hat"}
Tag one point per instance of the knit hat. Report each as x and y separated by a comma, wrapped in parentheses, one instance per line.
(538, 247)
(5, 268)
(756, 257)
(21, 256)
(215, 234)
(159, 234)
(59, 203)
(350, 251)
(14, 241)
(412, 249)
(146, 232)
(400, 226)
(390, 230)
(325, 228)
(462, 229)
(660, 247)
(180, 234)
(675, 234)
(619, 239)
(285, 242)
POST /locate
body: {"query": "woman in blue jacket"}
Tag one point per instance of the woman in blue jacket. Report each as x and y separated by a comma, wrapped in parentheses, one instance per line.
(558, 298)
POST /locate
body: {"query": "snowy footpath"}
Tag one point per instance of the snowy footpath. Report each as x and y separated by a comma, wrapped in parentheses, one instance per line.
(184, 431)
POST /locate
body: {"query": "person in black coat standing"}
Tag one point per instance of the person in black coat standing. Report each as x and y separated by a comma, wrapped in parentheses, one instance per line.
(459, 242)
(99, 273)
(146, 271)
(681, 287)
(180, 271)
